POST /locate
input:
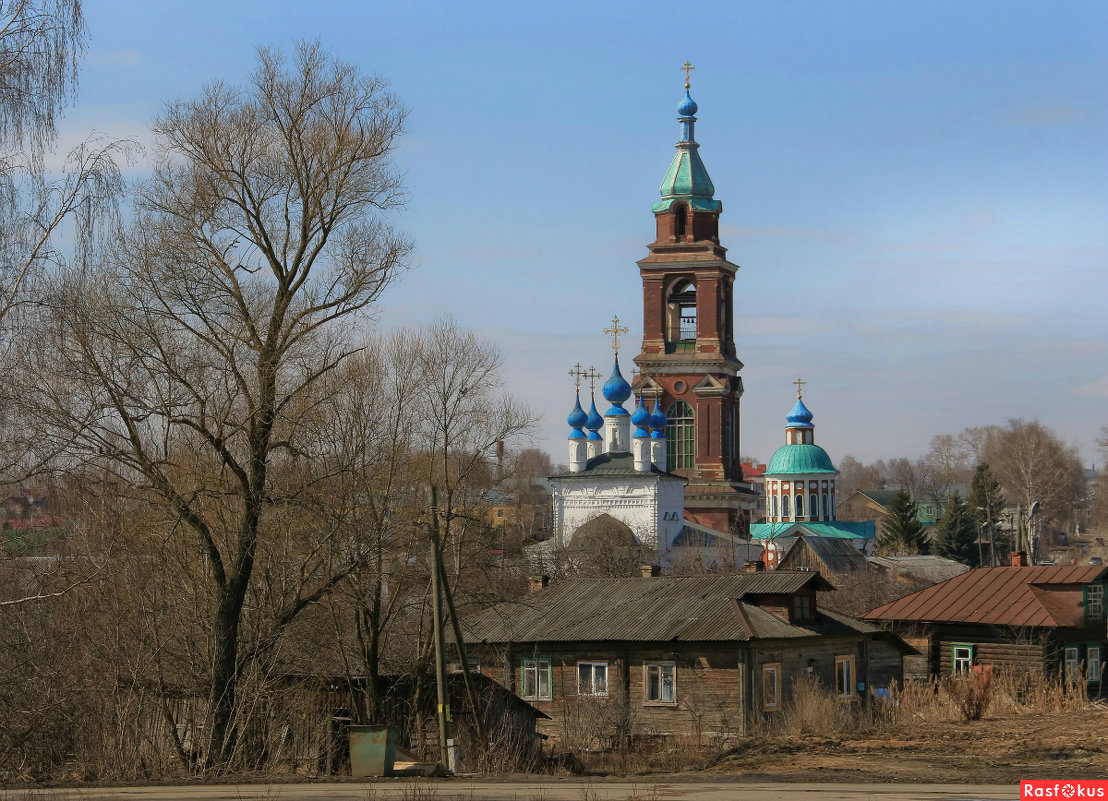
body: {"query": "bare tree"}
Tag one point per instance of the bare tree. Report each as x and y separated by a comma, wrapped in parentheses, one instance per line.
(191, 359)
(1032, 464)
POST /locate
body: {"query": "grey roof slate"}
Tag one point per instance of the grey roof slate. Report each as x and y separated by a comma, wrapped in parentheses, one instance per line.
(663, 609)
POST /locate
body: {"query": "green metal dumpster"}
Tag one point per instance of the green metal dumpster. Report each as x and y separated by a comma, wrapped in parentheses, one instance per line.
(372, 750)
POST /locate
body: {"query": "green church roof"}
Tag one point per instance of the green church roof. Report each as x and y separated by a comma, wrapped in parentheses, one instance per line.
(800, 458)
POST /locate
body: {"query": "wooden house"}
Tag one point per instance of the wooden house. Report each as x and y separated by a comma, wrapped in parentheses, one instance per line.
(1044, 618)
(827, 556)
(659, 656)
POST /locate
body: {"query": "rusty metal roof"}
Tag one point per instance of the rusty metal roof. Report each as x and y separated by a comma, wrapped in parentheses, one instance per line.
(1007, 596)
(663, 609)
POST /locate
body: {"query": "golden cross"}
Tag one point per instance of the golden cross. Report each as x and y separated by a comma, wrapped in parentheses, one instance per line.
(615, 331)
(578, 374)
(594, 376)
(799, 384)
(687, 68)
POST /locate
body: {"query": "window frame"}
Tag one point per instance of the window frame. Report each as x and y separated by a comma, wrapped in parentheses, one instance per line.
(1071, 662)
(662, 666)
(813, 506)
(680, 436)
(967, 660)
(593, 664)
(802, 608)
(849, 690)
(773, 668)
(1093, 663)
(536, 664)
(785, 505)
(1089, 603)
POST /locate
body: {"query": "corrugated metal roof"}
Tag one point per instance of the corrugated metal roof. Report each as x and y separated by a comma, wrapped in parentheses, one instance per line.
(664, 609)
(929, 568)
(1006, 596)
(839, 555)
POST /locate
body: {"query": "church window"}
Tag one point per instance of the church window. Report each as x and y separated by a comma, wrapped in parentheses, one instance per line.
(813, 506)
(784, 506)
(680, 220)
(800, 506)
(826, 516)
(680, 436)
(775, 506)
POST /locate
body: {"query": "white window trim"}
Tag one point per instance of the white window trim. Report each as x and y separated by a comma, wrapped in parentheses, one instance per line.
(967, 661)
(536, 664)
(1094, 610)
(1093, 660)
(850, 690)
(593, 665)
(662, 666)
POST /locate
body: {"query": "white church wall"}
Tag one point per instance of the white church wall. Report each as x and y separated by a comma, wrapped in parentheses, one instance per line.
(649, 505)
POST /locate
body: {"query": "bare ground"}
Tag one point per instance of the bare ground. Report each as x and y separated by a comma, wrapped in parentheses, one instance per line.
(991, 751)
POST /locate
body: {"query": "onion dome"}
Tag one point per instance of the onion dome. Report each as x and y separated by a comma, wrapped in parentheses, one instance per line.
(616, 391)
(800, 458)
(577, 418)
(595, 422)
(641, 419)
(687, 107)
(658, 422)
(687, 180)
(799, 416)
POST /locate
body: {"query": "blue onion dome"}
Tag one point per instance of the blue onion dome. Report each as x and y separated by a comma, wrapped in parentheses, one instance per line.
(641, 416)
(577, 418)
(596, 422)
(799, 416)
(594, 436)
(616, 388)
(687, 107)
(658, 421)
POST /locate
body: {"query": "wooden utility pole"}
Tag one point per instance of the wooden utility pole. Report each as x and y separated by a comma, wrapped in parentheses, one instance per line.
(436, 617)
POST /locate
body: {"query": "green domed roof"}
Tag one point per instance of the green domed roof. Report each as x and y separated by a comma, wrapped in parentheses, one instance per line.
(800, 458)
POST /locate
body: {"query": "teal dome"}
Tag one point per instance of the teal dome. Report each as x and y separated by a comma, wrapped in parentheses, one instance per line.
(800, 458)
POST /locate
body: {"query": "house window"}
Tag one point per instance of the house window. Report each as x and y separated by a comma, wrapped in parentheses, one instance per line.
(813, 506)
(961, 658)
(1092, 662)
(661, 682)
(1094, 602)
(1072, 663)
(534, 680)
(802, 607)
(771, 686)
(592, 678)
(680, 436)
(844, 676)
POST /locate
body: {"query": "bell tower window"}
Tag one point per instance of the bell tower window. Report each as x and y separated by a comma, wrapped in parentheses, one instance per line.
(680, 436)
(680, 222)
(681, 317)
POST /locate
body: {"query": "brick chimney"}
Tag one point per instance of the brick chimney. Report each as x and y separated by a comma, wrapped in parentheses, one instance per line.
(1019, 559)
(538, 582)
(650, 571)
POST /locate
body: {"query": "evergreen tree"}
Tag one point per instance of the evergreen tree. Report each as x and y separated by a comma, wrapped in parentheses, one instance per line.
(901, 534)
(986, 505)
(956, 537)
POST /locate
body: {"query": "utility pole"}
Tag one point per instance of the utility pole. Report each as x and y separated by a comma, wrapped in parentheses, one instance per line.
(436, 617)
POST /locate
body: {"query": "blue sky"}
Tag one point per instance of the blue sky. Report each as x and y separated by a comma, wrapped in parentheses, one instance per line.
(916, 193)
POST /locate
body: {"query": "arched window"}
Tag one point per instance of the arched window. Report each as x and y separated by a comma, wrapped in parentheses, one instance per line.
(680, 436)
(832, 517)
(826, 516)
(680, 220)
(775, 506)
(681, 313)
(784, 506)
(813, 506)
(800, 506)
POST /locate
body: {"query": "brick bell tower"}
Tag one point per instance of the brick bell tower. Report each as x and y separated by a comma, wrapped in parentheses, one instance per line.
(688, 360)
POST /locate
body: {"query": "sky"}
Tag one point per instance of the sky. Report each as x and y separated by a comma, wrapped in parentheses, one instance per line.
(916, 193)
